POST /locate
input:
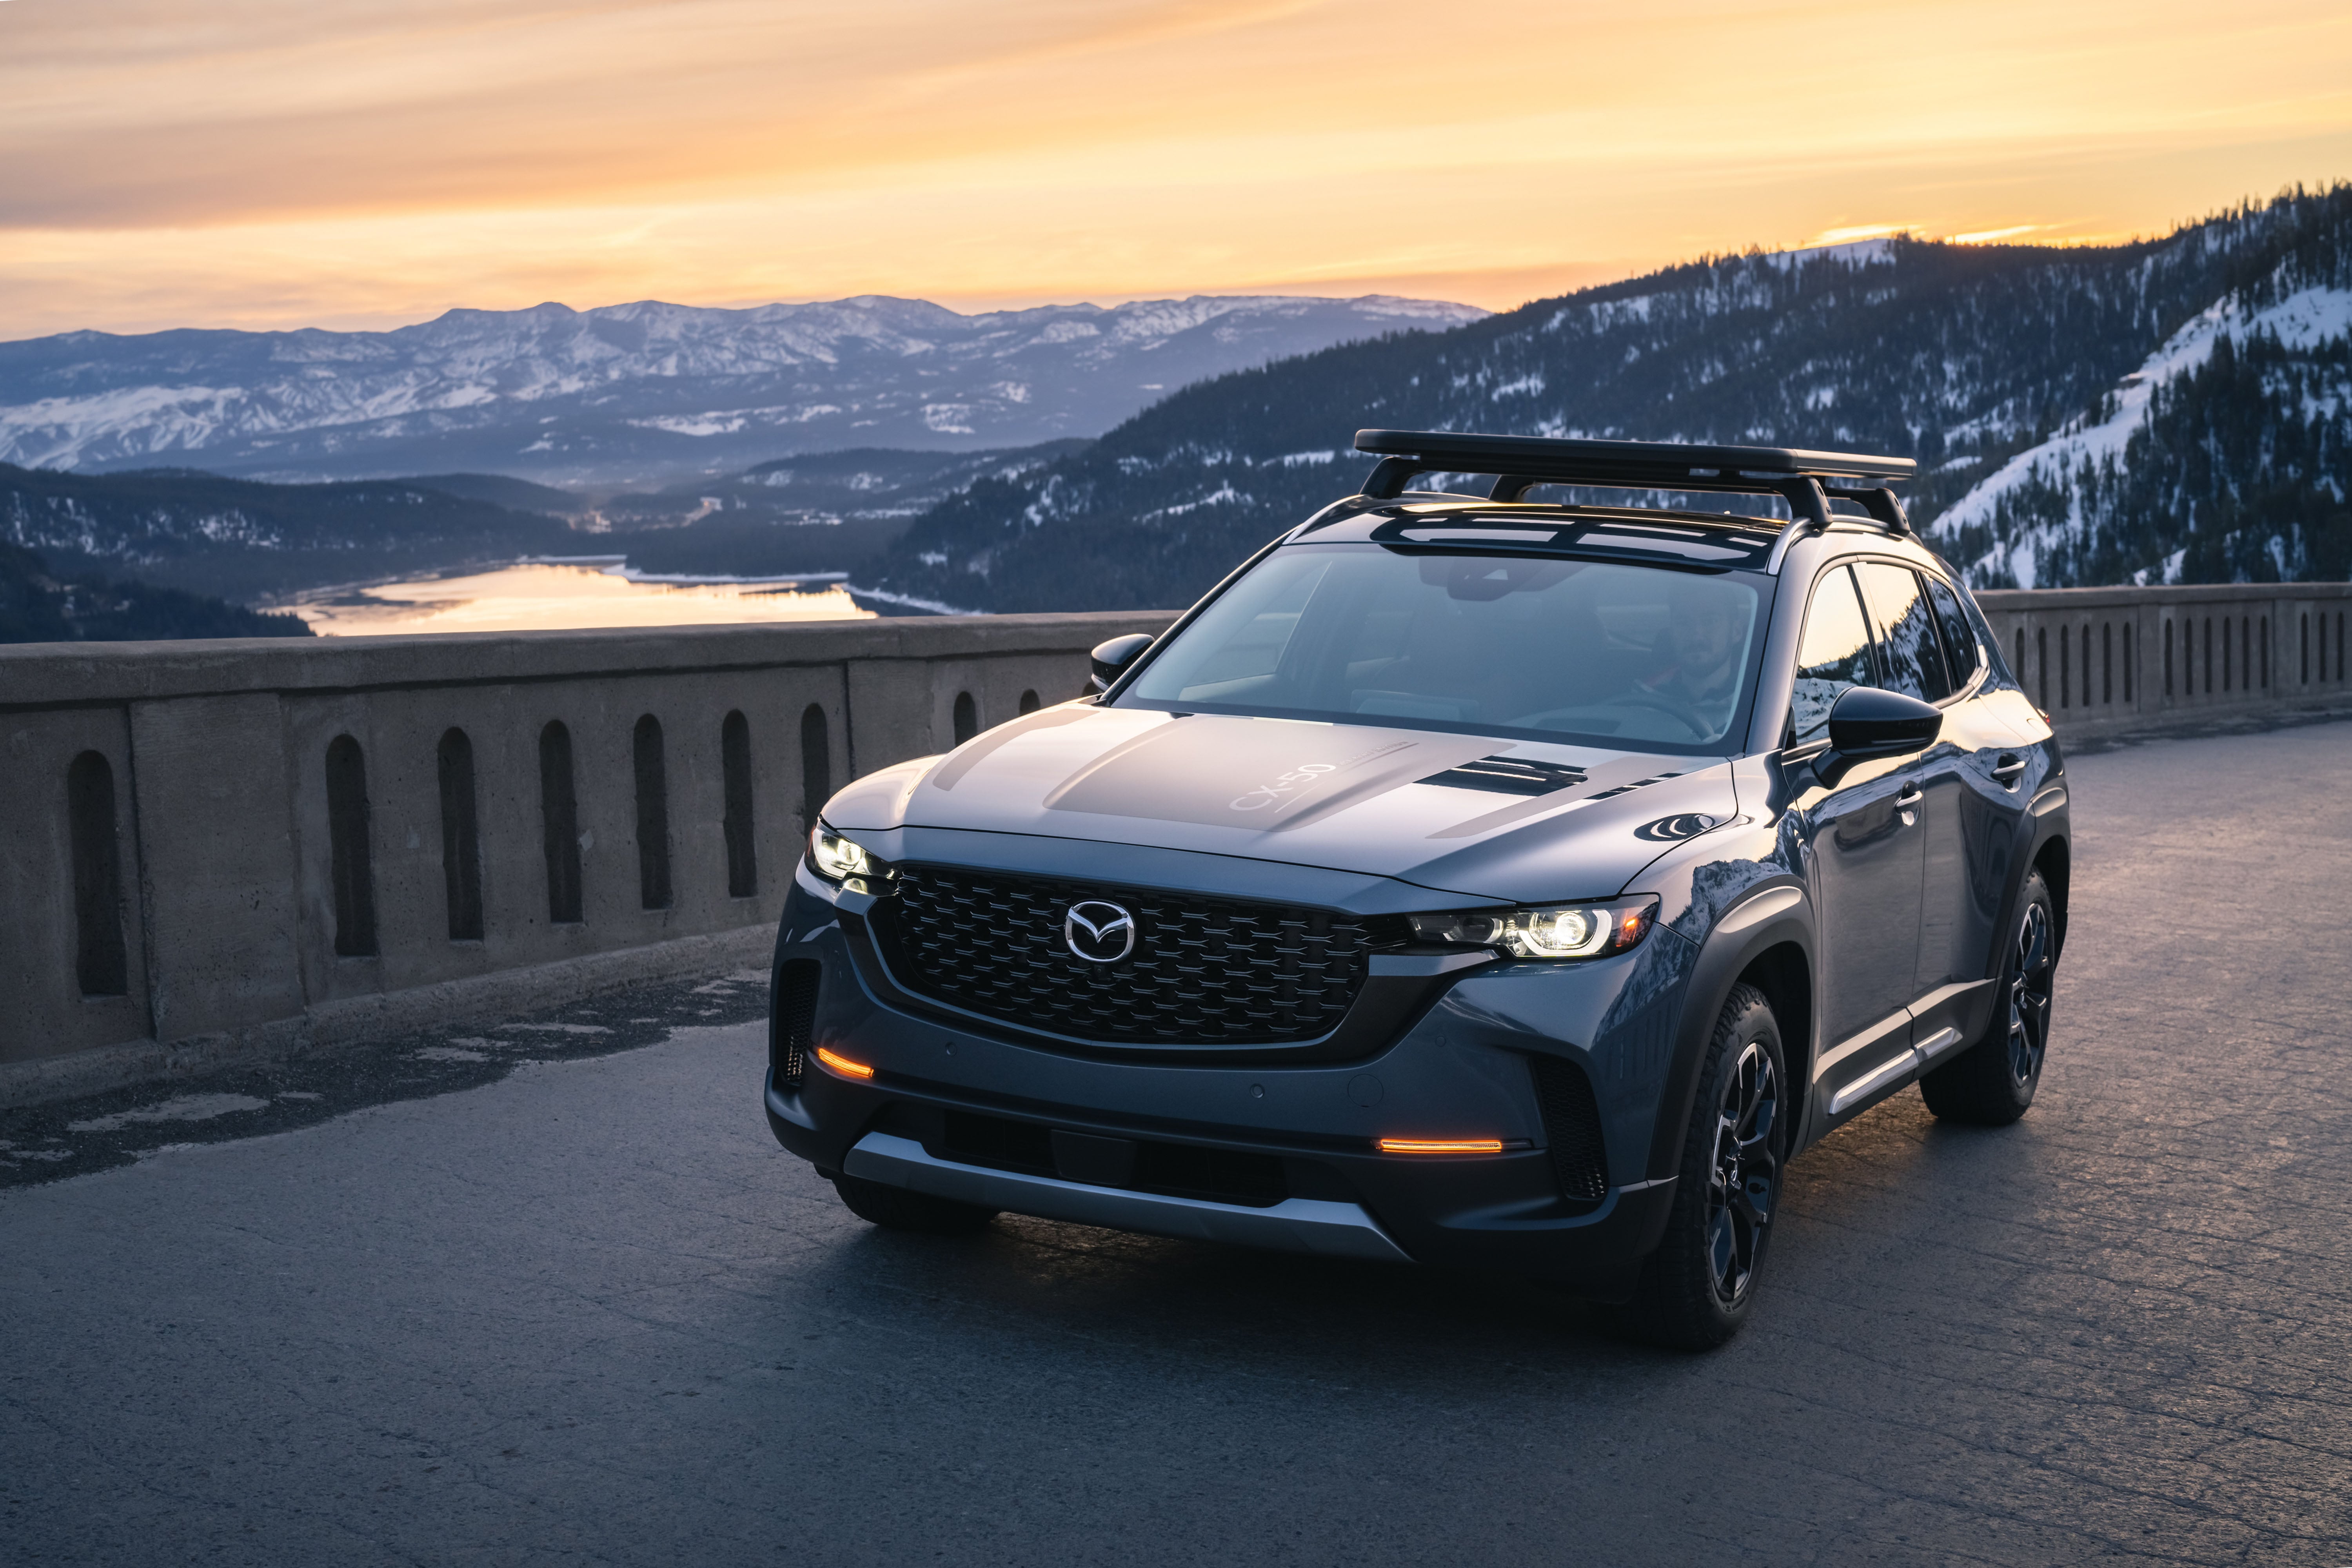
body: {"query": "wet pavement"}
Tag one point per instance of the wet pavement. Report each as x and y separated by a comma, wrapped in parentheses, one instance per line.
(534, 1295)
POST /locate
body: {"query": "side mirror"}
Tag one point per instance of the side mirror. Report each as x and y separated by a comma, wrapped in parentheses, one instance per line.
(1866, 724)
(1112, 658)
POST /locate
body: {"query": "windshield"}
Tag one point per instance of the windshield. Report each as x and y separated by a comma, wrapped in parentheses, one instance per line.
(1644, 657)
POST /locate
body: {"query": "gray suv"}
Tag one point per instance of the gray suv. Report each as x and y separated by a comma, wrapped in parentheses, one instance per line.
(1470, 880)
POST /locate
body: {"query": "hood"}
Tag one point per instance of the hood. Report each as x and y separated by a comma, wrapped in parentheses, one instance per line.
(1507, 821)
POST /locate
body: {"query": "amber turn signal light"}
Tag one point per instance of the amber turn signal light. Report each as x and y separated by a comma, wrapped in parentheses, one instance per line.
(843, 1065)
(1440, 1146)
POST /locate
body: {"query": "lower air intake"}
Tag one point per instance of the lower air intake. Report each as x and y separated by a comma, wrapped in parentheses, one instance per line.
(1572, 1127)
(792, 1021)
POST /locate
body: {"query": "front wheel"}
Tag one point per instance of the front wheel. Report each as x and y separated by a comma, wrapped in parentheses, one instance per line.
(1699, 1287)
(1993, 1081)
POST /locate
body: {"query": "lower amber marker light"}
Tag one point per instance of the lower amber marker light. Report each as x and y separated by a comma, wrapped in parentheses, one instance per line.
(843, 1065)
(1440, 1146)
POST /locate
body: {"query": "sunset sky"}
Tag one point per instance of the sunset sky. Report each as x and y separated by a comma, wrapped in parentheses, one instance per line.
(368, 163)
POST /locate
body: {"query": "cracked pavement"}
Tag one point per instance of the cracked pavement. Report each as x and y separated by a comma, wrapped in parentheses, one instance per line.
(564, 1300)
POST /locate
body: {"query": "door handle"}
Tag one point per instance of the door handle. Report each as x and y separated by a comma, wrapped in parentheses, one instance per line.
(2008, 769)
(1908, 804)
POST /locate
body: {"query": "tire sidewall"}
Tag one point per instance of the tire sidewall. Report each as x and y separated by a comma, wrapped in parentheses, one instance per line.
(1682, 1277)
(2035, 891)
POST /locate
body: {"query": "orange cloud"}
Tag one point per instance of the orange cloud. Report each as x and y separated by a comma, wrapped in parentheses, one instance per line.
(263, 162)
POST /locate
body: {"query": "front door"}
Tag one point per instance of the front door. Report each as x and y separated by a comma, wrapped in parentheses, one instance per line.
(1971, 814)
(1865, 854)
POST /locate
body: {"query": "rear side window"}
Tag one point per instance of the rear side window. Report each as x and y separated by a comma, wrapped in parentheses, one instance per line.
(1911, 661)
(1834, 655)
(1959, 637)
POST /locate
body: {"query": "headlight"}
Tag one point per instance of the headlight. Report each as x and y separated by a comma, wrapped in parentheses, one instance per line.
(834, 857)
(1557, 931)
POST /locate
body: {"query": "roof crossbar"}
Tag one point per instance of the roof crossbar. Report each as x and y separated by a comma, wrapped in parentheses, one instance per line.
(1621, 465)
(1807, 480)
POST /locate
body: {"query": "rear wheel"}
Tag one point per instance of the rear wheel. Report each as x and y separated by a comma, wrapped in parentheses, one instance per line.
(1993, 1081)
(1699, 1287)
(896, 1209)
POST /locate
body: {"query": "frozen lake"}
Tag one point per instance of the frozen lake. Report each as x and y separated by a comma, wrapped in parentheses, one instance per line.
(546, 596)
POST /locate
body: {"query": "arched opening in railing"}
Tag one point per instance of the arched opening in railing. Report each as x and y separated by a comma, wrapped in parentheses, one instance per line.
(816, 765)
(967, 718)
(102, 963)
(1029, 703)
(558, 818)
(2107, 661)
(2041, 651)
(2266, 654)
(735, 764)
(2065, 676)
(653, 815)
(2020, 655)
(461, 836)
(2209, 655)
(2228, 666)
(347, 849)
(2303, 639)
(2168, 658)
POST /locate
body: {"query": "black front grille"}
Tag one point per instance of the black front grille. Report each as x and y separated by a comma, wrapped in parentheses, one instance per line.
(1572, 1127)
(1204, 971)
(792, 1019)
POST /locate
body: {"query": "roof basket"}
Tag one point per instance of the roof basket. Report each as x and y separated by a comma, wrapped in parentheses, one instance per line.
(1808, 480)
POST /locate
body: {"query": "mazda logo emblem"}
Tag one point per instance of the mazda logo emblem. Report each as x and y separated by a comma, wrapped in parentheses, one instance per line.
(1097, 932)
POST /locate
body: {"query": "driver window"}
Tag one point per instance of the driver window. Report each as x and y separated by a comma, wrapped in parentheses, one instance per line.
(1833, 657)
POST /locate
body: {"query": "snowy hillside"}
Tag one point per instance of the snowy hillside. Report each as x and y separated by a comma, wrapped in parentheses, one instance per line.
(1970, 359)
(2138, 485)
(641, 393)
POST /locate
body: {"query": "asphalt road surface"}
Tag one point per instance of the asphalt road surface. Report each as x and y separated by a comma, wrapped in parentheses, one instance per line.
(586, 1311)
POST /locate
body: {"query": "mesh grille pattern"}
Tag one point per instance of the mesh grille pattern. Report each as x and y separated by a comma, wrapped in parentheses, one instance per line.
(1204, 971)
(1572, 1127)
(792, 1021)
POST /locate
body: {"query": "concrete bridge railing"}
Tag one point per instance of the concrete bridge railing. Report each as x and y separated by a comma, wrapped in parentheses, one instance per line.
(239, 848)
(210, 849)
(2106, 662)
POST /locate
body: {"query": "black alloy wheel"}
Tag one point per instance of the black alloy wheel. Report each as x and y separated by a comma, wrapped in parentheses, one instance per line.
(1700, 1284)
(1993, 1081)
(2032, 968)
(1745, 1176)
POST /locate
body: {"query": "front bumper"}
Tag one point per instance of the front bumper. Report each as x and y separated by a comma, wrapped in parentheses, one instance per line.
(1294, 1225)
(1462, 1068)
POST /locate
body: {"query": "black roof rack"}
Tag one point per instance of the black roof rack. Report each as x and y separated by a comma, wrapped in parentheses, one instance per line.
(1807, 479)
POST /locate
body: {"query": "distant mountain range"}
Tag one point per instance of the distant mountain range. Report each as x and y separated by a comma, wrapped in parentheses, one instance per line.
(2177, 409)
(636, 396)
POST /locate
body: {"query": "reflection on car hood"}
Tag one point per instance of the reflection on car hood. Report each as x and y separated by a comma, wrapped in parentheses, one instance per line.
(1504, 820)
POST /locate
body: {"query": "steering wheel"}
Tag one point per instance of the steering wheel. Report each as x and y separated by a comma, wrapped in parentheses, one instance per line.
(1682, 713)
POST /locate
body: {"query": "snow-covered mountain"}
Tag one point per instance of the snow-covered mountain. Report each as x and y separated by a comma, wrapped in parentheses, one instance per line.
(2223, 457)
(2176, 407)
(642, 394)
